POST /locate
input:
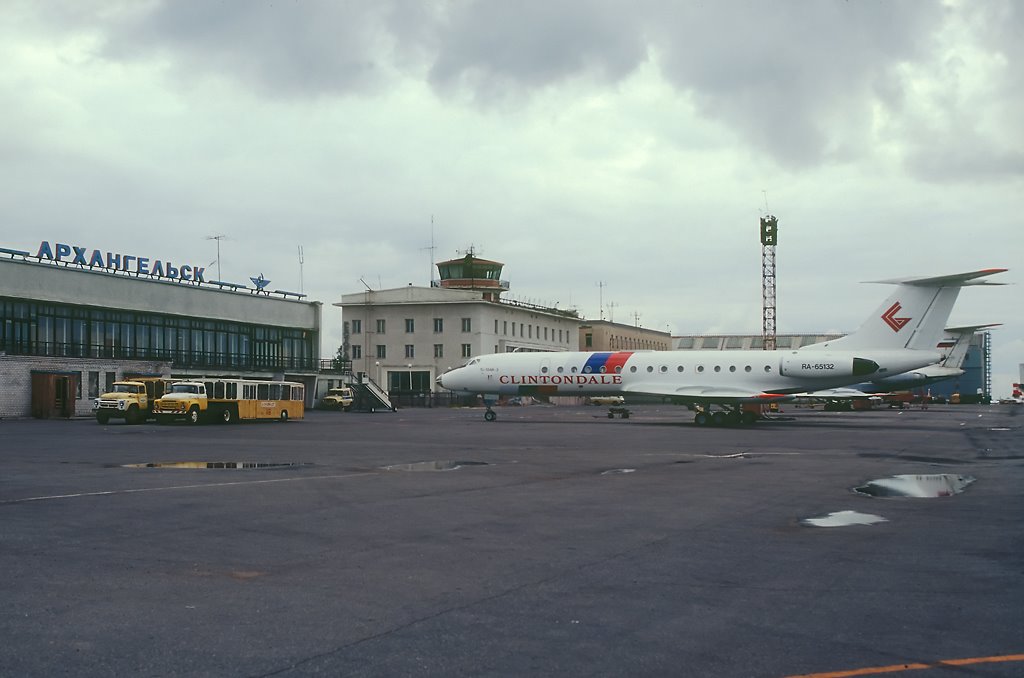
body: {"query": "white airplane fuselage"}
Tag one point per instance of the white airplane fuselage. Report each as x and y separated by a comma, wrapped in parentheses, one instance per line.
(687, 375)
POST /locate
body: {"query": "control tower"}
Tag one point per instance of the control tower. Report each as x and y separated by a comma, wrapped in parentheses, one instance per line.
(472, 273)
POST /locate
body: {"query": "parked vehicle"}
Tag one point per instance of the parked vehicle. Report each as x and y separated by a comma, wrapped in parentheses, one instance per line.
(131, 400)
(339, 398)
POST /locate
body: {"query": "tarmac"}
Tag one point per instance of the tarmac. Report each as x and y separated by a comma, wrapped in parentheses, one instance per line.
(554, 541)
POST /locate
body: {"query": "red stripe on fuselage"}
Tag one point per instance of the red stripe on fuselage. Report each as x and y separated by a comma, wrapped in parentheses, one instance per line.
(616, 361)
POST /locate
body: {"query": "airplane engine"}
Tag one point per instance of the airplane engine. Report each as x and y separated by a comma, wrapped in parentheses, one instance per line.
(822, 365)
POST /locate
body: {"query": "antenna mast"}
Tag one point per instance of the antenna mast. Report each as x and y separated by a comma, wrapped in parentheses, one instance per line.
(769, 239)
(302, 260)
(218, 238)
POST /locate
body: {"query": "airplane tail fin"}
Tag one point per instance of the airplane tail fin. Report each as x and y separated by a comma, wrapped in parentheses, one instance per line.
(913, 316)
(957, 340)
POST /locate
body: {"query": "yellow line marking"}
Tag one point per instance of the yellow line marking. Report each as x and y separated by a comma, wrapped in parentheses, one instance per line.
(897, 668)
(179, 487)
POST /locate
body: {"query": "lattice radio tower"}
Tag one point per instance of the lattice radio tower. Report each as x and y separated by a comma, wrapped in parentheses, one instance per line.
(769, 239)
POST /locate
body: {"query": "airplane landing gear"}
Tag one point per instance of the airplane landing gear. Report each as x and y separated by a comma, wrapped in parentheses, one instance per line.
(734, 417)
(490, 415)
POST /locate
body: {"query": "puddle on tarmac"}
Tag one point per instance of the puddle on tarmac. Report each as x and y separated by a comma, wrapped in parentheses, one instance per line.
(433, 465)
(617, 471)
(219, 464)
(843, 519)
(918, 487)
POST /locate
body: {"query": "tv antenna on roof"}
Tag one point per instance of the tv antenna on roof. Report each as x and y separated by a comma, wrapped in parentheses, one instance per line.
(302, 260)
(218, 238)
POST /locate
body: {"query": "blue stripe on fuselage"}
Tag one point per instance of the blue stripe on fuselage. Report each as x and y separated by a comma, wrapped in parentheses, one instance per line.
(596, 361)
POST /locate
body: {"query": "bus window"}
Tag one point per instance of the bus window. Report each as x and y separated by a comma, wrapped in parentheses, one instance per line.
(218, 390)
(248, 391)
(297, 393)
(275, 391)
(262, 390)
(209, 388)
(232, 392)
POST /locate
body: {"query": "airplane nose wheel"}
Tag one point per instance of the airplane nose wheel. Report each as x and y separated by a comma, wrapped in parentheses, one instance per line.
(490, 415)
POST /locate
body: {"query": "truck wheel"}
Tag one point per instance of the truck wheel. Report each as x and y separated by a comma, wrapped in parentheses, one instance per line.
(102, 417)
(226, 416)
(193, 415)
(132, 417)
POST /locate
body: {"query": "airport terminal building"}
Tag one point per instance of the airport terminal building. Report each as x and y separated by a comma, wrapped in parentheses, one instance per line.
(73, 320)
(404, 338)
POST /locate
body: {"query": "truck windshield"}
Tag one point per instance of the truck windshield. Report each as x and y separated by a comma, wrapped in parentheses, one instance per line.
(124, 388)
(184, 388)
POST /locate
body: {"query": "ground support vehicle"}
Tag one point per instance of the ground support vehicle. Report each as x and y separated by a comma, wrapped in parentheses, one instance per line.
(229, 400)
(620, 410)
(339, 398)
(606, 400)
(185, 399)
(131, 399)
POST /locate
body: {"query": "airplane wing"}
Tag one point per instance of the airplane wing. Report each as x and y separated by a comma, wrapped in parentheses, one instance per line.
(839, 393)
(706, 394)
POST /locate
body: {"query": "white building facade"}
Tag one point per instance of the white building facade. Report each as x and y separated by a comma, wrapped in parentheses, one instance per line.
(404, 338)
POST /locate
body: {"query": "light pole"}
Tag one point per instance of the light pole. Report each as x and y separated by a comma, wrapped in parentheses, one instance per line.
(378, 372)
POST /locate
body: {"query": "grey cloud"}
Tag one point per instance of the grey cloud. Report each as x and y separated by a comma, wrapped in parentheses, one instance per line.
(796, 81)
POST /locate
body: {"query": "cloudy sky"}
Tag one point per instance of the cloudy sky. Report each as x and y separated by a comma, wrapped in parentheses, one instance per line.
(621, 150)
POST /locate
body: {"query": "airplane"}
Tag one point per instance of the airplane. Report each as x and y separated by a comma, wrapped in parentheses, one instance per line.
(900, 336)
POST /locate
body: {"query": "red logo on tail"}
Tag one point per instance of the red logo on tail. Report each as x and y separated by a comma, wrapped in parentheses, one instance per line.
(892, 321)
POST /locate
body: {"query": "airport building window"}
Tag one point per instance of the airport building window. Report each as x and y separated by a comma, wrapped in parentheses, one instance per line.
(357, 352)
(382, 351)
(438, 325)
(357, 326)
(381, 326)
(439, 350)
(410, 351)
(108, 384)
(45, 329)
(467, 351)
(94, 384)
(467, 324)
(504, 327)
(495, 325)
(410, 325)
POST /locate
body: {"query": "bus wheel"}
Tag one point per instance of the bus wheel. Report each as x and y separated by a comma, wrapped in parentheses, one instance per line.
(193, 415)
(225, 416)
(284, 415)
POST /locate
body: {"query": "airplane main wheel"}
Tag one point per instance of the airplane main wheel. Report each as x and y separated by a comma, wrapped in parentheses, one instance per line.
(748, 418)
(719, 419)
(702, 419)
(490, 415)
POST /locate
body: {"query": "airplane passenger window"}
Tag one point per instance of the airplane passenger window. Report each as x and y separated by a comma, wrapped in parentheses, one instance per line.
(574, 370)
(664, 368)
(544, 370)
(633, 368)
(618, 369)
(732, 368)
(586, 369)
(718, 368)
(700, 368)
(650, 368)
(747, 368)
(603, 369)
(767, 368)
(679, 369)
(560, 369)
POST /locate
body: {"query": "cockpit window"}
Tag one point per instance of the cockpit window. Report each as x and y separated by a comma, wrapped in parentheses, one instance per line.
(474, 361)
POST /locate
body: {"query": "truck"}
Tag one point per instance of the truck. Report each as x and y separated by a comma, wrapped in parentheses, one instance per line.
(131, 399)
(185, 399)
(338, 398)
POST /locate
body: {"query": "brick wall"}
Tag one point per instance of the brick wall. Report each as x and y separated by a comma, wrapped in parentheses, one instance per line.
(16, 379)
